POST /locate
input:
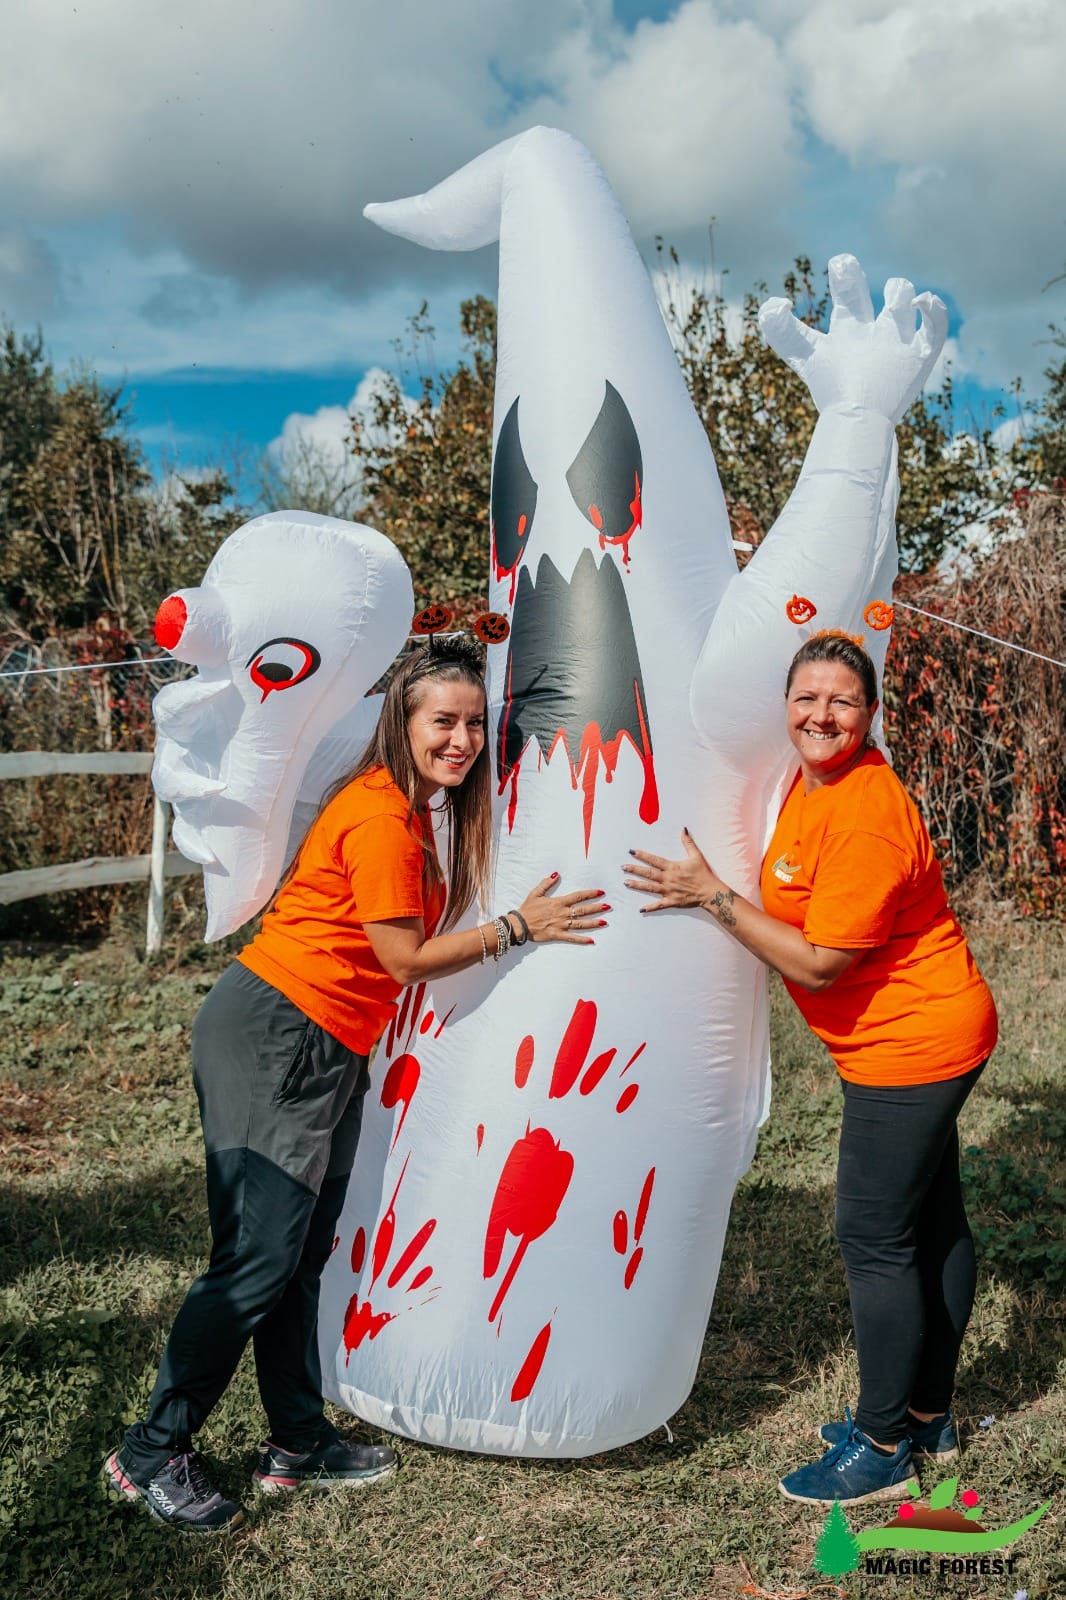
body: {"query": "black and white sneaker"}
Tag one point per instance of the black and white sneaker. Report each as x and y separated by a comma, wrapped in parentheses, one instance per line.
(335, 1464)
(178, 1494)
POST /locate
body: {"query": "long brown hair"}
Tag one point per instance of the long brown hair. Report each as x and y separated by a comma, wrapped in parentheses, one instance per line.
(469, 806)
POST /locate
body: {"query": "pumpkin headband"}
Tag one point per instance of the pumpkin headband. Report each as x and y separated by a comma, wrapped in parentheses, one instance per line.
(491, 627)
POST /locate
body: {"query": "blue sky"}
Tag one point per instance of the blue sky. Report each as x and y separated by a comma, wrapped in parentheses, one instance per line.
(181, 184)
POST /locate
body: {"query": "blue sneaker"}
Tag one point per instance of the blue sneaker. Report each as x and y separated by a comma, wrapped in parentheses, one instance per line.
(937, 1440)
(851, 1472)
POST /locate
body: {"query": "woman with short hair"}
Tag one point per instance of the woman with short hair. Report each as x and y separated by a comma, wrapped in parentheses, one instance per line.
(855, 919)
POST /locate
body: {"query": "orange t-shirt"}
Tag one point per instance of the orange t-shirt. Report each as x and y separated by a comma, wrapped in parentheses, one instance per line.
(361, 862)
(852, 866)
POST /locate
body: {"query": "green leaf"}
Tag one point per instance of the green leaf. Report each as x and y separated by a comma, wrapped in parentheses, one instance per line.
(943, 1494)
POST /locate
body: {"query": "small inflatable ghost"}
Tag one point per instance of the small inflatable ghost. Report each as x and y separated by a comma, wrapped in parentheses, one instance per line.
(297, 617)
(529, 1249)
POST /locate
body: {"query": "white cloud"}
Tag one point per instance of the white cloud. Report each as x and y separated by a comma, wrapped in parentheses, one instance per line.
(313, 451)
(186, 180)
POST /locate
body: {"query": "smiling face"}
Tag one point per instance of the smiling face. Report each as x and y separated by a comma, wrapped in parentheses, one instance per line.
(828, 720)
(446, 732)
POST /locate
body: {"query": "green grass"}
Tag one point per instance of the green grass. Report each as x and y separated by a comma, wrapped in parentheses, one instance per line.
(103, 1216)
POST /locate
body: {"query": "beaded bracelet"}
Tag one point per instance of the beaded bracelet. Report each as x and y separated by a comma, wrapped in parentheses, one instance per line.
(484, 946)
(504, 936)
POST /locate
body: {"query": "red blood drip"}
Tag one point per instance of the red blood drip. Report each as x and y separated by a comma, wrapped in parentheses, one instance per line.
(530, 1369)
(480, 1135)
(596, 518)
(386, 1231)
(643, 1204)
(399, 1086)
(626, 1098)
(423, 1277)
(636, 517)
(427, 1022)
(362, 1322)
(509, 572)
(390, 1037)
(597, 1071)
(573, 1050)
(405, 1006)
(170, 621)
(531, 1188)
(444, 1023)
(336, 1242)
(358, 1249)
(594, 749)
(414, 1249)
(523, 1061)
(637, 1052)
(631, 1269)
(621, 1232)
(420, 995)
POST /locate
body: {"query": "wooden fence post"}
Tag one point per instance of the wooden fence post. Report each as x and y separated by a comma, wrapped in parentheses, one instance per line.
(153, 941)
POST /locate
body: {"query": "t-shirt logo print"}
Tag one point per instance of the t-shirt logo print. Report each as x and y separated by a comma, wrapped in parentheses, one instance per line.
(785, 869)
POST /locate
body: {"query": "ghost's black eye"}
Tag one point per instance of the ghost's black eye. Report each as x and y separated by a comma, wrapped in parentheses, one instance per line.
(514, 499)
(282, 664)
(607, 476)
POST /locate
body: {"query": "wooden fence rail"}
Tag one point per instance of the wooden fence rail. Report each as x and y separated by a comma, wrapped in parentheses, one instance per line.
(96, 870)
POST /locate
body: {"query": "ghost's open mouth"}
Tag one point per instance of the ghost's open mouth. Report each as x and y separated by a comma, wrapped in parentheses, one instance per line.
(574, 678)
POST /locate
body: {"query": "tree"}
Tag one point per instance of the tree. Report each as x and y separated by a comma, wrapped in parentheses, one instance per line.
(426, 464)
(759, 419)
(837, 1549)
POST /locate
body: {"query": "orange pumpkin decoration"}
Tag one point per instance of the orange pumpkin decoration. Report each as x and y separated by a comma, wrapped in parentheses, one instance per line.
(880, 615)
(492, 627)
(433, 619)
(799, 609)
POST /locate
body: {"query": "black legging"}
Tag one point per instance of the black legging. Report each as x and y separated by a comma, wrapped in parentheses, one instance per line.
(906, 1245)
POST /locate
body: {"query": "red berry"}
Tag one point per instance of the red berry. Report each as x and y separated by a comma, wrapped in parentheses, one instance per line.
(906, 1512)
(971, 1498)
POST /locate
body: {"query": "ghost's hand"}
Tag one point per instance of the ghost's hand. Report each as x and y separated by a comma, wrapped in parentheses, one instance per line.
(689, 882)
(877, 363)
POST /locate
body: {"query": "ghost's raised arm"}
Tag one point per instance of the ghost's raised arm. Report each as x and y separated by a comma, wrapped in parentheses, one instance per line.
(835, 537)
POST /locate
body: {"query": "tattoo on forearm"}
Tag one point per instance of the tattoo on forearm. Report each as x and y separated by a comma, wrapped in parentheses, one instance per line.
(721, 906)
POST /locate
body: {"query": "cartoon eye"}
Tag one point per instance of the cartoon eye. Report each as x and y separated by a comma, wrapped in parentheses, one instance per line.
(282, 664)
(514, 500)
(607, 476)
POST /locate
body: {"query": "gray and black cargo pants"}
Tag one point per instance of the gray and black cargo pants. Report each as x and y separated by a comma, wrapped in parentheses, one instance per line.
(281, 1104)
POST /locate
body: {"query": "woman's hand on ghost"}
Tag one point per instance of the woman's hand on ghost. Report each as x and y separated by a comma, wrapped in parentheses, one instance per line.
(563, 918)
(877, 363)
(688, 882)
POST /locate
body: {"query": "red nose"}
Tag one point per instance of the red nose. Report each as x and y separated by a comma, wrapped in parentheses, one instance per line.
(170, 621)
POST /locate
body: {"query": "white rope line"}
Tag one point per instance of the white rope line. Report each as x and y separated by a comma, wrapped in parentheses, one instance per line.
(991, 637)
(93, 666)
(170, 661)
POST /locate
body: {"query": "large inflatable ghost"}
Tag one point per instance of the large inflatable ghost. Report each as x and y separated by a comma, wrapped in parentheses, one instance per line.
(296, 618)
(529, 1249)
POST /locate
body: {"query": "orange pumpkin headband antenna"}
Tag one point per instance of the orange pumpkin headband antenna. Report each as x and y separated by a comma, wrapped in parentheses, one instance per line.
(840, 633)
(491, 627)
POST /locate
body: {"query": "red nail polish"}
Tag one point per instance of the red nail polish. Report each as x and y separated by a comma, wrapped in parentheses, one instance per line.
(601, 924)
(555, 874)
(606, 908)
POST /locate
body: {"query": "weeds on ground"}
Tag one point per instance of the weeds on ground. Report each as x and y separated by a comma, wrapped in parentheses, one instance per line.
(104, 1224)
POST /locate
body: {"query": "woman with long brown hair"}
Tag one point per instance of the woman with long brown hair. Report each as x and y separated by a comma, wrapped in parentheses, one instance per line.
(280, 1050)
